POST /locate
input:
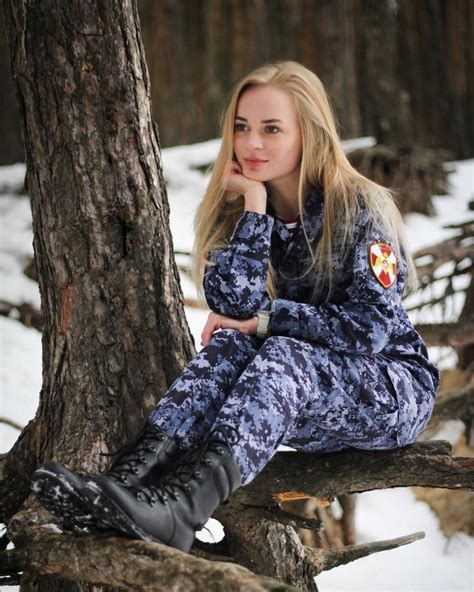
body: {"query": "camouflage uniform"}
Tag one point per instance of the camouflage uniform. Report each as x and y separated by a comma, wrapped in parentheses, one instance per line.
(351, 372)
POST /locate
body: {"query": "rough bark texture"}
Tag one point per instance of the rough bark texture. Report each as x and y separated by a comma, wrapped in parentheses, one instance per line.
(124, 564)
(114, 330)
(259, 535)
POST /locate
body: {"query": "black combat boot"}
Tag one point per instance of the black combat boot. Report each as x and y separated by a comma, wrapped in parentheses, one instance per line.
(173, 509)
(144, 460)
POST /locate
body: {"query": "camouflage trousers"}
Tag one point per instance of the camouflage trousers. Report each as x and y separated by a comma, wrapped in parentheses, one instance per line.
(280, 390)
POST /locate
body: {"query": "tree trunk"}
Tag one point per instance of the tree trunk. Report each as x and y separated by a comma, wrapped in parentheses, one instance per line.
(382, 102)
(114, 330)
(436, 59)
(11, 150)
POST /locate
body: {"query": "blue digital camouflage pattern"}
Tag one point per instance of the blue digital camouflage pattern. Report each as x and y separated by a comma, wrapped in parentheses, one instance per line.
(352, 372)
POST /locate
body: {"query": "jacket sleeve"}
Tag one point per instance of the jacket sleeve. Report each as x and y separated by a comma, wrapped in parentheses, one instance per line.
(236, 285)
(361, 323)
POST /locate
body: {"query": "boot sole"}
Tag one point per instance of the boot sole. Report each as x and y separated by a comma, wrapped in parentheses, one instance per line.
(61, 498)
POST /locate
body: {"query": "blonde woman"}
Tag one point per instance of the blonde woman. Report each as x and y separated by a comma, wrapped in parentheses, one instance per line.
(303, 263)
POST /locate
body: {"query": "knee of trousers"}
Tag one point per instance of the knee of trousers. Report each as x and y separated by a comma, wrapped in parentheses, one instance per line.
(234, 336)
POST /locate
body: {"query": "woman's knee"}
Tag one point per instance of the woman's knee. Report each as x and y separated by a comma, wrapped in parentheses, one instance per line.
(234, 336)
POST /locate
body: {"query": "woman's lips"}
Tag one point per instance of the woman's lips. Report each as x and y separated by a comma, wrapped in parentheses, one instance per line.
(254, 163)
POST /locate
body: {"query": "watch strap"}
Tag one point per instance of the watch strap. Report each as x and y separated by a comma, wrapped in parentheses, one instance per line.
(263, 321)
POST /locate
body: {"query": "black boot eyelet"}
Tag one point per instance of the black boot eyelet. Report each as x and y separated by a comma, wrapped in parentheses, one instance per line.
(136, 471)
(153, 448)
(143, 460)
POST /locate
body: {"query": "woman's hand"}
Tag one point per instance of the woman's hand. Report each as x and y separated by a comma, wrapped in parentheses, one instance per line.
(235, 180)
(217, 321)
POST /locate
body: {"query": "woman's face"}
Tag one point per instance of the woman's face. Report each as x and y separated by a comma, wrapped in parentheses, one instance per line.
(266, 129)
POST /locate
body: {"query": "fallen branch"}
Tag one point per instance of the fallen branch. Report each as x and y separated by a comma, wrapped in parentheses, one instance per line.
(456, 403)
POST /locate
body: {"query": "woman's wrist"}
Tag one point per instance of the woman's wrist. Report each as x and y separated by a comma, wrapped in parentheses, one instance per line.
(256, 199)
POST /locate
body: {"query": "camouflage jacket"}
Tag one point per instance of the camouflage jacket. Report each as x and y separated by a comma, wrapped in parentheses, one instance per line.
(362, 317)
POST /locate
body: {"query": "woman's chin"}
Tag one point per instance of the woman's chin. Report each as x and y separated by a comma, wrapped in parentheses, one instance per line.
(256, 175)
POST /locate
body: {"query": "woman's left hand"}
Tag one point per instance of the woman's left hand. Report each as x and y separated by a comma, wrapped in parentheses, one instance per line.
(217, 321)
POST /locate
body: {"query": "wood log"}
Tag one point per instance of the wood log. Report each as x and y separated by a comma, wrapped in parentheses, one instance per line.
(120, 562)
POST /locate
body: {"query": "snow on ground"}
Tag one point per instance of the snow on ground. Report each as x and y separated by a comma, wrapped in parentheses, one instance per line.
(434, 563)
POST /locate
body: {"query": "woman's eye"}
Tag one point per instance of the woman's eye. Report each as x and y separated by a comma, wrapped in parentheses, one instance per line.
(238, 127)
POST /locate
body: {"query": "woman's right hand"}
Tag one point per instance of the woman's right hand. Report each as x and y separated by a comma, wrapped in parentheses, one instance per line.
(236, 181)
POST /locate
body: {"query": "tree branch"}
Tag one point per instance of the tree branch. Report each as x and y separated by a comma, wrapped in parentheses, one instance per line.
(457, 334)
(325, 559)
(426, 464)
(123, 563)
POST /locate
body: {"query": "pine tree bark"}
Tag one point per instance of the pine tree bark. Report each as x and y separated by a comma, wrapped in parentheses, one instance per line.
(114, 330)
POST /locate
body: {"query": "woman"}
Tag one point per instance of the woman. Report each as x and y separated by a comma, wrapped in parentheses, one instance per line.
(303, 262)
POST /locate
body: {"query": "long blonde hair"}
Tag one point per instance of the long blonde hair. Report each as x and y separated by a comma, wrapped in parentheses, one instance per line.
(323, 164)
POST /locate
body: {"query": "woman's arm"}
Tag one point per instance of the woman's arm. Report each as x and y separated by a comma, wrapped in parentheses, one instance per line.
(236, 285)
(362, 324)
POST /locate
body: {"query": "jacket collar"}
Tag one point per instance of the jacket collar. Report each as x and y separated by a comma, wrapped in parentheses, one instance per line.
(312, 218)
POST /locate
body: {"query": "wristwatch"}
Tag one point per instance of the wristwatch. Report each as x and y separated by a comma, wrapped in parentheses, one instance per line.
(263, 320)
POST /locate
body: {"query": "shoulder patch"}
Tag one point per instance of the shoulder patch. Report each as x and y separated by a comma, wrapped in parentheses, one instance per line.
(383, 263)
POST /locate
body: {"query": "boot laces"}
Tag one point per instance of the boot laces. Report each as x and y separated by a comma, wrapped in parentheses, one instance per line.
(132, 455)
(188, 467)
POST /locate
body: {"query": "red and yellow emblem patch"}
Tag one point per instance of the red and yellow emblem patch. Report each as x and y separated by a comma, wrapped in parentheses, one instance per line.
(383, 263)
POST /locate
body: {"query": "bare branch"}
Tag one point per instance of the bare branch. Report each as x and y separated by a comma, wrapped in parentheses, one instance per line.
(12, 423)
(325, 559)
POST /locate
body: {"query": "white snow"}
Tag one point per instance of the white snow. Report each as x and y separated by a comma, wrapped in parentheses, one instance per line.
(434, 563)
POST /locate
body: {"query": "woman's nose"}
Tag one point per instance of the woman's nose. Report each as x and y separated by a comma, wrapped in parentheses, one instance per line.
(254, 140)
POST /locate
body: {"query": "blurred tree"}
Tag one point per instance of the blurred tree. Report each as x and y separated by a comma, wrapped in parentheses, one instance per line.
(11, 149)
(395, 69)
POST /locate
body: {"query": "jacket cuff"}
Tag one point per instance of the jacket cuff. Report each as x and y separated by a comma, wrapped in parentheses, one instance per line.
(251, 225)
(284, 318)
